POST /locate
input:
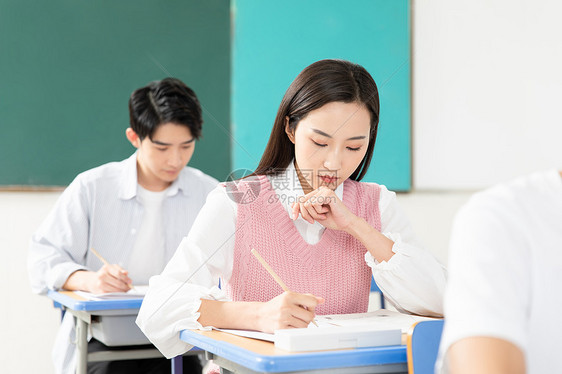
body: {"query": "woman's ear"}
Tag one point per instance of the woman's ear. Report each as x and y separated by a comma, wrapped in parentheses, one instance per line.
(290, 133)
(133, 137)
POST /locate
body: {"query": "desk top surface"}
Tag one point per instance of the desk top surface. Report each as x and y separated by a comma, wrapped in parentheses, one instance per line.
(261, 355)
(72, 301)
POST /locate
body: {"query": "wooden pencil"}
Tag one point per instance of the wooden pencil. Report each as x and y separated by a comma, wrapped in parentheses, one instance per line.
(99, 256)
(273, 274)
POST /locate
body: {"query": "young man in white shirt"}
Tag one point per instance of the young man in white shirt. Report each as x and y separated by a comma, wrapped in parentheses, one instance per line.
(503, 298)
(134, 213)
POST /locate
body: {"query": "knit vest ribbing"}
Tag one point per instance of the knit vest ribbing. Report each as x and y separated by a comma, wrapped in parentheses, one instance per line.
(334, 268)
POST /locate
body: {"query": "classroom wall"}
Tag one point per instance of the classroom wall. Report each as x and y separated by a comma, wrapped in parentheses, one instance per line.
(487, 88)
(28, 323)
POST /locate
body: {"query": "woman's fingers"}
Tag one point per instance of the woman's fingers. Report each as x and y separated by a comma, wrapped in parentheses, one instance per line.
(315, 206)
(305, 213)
(291, 310)
(311, 209)
(296, 210)
(298, 323)
(307, 301)
(316, 211)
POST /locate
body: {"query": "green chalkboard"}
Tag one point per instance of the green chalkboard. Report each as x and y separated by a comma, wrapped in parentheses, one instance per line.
(274, 41)
(68, 67)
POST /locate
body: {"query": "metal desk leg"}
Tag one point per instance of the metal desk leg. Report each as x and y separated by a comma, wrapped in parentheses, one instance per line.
(177, 365)
(81, 346)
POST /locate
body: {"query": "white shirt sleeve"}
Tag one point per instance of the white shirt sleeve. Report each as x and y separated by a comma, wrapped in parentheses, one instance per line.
(412, 280)
(61, 241)
(205, 255)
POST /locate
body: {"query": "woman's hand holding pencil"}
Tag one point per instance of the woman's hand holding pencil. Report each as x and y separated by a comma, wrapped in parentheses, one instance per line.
(287, 310)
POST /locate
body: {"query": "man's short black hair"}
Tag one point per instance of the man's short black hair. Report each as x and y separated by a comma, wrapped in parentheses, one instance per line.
(166, 101)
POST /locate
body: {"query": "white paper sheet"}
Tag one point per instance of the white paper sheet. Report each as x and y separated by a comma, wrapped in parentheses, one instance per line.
(137, 292)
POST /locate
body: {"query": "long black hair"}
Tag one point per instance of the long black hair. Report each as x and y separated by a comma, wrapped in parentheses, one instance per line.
(318, 84)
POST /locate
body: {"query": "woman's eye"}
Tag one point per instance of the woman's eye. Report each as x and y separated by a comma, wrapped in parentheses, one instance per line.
(319, 144)
(354, 149)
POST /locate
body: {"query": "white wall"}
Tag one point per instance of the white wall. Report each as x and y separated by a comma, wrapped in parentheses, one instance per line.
(28, 323)
(487, 91)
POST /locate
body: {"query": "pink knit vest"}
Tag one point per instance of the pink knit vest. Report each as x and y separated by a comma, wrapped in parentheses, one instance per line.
(334, 268)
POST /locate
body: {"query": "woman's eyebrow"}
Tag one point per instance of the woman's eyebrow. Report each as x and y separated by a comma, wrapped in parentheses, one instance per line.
(319, 132)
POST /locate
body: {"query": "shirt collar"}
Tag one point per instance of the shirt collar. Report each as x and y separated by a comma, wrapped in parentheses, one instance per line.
(129, 182)
(180, 184)
(128, 185)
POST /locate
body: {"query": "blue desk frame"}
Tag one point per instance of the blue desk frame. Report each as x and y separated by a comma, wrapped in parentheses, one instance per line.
(83, 310)
(76, 304)
(234, 357)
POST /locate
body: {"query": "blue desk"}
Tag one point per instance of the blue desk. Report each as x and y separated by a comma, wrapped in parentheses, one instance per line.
(243, 355)
(74, 302)
(85, 311)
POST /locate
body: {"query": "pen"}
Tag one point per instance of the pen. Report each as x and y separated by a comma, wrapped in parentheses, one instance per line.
(273, 274)
(99, 256)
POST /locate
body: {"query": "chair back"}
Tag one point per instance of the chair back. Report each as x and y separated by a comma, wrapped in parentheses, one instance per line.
(423, 346)
(375, 288)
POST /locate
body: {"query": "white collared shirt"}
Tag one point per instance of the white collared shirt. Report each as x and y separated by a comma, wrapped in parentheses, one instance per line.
(100, 209)
(412, 280)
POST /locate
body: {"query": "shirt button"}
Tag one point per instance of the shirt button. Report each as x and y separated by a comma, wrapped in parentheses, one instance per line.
(133, 231)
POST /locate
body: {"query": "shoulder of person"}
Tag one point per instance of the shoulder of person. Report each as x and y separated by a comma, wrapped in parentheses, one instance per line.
(193, 176)
(505, 202)
(513, 193)
(106, 172)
